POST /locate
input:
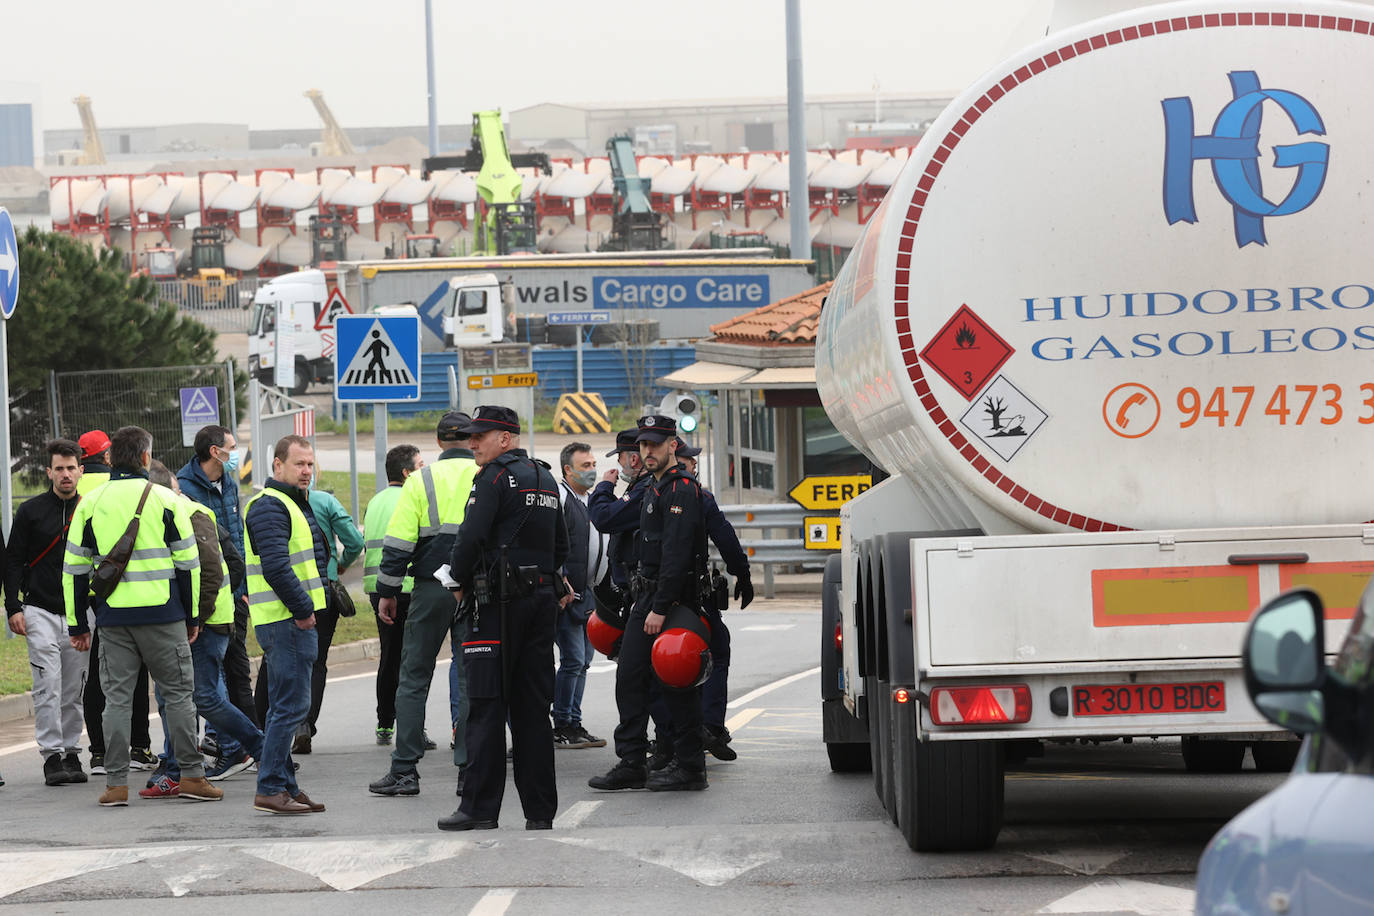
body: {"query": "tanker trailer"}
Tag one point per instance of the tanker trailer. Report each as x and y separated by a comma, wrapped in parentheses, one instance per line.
(1107, 340)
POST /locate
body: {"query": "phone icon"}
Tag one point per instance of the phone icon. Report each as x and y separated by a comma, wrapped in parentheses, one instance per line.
(1122, 421)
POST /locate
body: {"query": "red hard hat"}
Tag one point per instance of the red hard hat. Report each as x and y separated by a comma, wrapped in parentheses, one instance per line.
(681, 655)
(605, 636)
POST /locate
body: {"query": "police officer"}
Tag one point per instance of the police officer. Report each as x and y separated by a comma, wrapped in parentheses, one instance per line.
(672, 558)
(420, 538)
(714, 692)
(619, 518)
(509, 546)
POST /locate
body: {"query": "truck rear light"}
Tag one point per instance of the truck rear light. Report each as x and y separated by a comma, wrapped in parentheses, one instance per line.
(989, 705)
(839, 637)
(901, 695)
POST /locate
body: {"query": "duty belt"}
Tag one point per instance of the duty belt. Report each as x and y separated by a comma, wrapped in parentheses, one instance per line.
(641, 585)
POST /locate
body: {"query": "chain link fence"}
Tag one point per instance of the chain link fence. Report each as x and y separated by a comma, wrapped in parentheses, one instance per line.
(75, 402)
(225, 307)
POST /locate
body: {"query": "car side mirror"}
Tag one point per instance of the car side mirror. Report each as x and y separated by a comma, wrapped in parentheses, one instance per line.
(1285, 660)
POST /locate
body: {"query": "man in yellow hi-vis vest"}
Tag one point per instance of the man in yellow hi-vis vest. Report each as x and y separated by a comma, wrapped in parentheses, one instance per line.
(149, 617)
(287, 564)
(419, 539)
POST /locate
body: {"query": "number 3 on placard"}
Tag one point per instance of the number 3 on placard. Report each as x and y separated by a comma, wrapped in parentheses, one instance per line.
(968, 378)
(1368, 391)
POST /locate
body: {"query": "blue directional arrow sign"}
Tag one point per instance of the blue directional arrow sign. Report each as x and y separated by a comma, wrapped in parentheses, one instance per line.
(579, 318)
(9, 265)
(377, 358)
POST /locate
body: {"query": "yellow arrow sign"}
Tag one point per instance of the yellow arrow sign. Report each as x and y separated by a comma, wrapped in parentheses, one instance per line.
(822, 493)
(509, 380)
(822, 532)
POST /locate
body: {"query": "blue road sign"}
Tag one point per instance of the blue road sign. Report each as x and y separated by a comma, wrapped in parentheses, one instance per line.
(579, 318)
(199, 407)
(9, 265)
(377, 358)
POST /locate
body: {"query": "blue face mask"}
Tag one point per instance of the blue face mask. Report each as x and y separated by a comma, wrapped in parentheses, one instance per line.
(232, 462)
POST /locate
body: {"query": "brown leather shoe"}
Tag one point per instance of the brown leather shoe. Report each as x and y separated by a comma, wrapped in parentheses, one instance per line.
(199, 788)
(115, 797)
(304, 799)
(281, 803)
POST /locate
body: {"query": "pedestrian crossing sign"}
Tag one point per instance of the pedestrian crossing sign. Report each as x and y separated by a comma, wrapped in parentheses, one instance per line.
(377, 358)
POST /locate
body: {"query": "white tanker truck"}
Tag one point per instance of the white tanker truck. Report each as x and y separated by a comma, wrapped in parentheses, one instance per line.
(1109, 343)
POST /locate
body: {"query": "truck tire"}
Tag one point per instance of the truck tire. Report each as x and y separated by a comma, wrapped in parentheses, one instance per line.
(302, 378)
(877, 735)
(531, 328)
(1275, 756)
(949, 793)
(849, 758)
(1212, 756)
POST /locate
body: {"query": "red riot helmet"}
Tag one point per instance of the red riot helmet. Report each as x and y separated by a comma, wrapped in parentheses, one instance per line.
(681, 655)
(605, 636)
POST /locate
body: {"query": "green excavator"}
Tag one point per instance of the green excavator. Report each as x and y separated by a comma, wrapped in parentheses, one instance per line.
(505, 224)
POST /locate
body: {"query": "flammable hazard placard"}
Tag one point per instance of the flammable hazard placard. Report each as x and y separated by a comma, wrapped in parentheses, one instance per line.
(966, 352)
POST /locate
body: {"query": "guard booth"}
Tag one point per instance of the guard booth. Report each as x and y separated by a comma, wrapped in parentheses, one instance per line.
(498, 373)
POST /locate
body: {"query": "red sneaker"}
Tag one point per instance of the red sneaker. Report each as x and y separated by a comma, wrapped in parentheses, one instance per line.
(162, 787)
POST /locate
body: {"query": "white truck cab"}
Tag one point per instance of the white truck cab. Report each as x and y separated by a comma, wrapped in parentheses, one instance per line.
(477, 310)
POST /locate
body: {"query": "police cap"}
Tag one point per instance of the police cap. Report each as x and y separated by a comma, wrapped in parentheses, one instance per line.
(624, 442)
(492, 416)
(655, 428)
(453, 425)
(686, 451)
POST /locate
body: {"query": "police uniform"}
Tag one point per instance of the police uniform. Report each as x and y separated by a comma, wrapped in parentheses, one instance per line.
(420, 538)
(508, 656)
(672, 555)
(619, 518)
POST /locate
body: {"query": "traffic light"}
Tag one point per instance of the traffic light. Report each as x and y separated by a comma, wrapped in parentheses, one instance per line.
(684, 408)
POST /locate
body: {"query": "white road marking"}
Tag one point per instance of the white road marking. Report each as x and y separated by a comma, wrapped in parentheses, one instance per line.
(181, 877)
(494, 902)
(346, 864)
(1122, 895)
(741, 719)
(764, 627)
(768, 688)
(712, 864)
(1083, 861)
(22, 870)
(577, 813)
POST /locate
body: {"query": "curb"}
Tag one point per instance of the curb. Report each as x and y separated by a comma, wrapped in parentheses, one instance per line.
(20, 705)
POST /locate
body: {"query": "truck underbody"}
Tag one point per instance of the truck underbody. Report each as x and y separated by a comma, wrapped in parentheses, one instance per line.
(946, 653)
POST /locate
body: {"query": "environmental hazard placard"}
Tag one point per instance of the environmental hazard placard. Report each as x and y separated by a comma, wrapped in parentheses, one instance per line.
(378, 358)
(1003, 418)
(966, 352)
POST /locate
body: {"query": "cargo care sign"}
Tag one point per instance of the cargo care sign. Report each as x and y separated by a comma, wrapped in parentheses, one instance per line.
(1175, 263)
(741, 292)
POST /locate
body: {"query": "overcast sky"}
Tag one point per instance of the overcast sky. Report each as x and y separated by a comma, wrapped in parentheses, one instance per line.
(171, 61)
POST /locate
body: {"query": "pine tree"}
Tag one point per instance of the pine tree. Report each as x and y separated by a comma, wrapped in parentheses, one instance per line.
(81, 311)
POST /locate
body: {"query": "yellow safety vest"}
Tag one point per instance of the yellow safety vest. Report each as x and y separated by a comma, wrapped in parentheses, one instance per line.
(148, 579)
(89, 482)
(379, 511)
(432, 503)
(263, 604)
(224, 601)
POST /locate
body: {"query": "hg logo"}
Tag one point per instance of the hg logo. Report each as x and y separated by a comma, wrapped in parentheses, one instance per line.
(1233, 147)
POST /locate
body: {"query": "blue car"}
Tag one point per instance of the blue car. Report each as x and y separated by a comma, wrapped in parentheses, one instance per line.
(1308, 846)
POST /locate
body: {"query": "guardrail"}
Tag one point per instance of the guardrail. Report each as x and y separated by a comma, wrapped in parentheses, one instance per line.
(768, 551)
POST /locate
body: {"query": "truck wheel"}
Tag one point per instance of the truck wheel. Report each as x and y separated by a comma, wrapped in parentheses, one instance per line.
(1212, 756)
(1275, 756)
(849, 758)
(950, 793)
(877, 737)
(302, 381)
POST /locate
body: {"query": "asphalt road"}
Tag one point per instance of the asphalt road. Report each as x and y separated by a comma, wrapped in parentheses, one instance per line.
(1106, 829)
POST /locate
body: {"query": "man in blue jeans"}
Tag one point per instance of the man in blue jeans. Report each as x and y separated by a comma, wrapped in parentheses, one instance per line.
(288, 565)
(585, 565)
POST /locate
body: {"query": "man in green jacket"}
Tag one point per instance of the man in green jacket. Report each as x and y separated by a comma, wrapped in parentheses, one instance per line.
(401, 462)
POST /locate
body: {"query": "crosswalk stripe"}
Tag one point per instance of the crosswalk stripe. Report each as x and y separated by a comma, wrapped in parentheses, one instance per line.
(494, 902)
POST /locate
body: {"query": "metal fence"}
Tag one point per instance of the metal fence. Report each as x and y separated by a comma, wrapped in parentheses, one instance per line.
(226, 308)
(74, 402)
(768, 551)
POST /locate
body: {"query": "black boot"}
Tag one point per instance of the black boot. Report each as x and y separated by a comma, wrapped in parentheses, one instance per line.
(54, 774)
(660, 754)
(72, 764)
(677, 778)
(627, 774)
(715, 740)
